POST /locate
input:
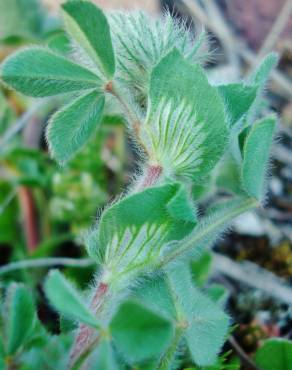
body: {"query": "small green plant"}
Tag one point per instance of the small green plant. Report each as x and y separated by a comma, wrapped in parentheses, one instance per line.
(24, 342)
(274, 354)
(145, 309)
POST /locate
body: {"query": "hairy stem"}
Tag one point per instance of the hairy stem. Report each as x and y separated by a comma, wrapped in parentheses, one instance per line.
(88, 337)
(200, 233)
(169, 356)
(131, 114)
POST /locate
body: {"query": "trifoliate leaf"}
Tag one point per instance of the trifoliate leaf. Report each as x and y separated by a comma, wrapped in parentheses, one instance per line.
(140, 46)
(185, 129)
(70, 128)
(140, 333)
(237, 98)
(256, 155)
(66, 299)
(207, 324)
(21, 317)
(275, 354)
(39, 72)
(88, 26)
(130, 237)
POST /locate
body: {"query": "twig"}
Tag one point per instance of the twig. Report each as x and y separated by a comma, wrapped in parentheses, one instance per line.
(21, 122)
(245, 359)
(275, 31)
(228, 41)
(240, 47)
(254, 276)
(46, 262)
(197, 12)
(41, 107)
(282, 154)
(131, 114)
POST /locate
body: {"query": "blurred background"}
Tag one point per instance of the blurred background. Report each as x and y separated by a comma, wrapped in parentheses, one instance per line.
(45, 209)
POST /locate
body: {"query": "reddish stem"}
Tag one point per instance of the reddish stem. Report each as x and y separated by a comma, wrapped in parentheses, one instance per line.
(29, 215)
(87, 336)
(152, 174)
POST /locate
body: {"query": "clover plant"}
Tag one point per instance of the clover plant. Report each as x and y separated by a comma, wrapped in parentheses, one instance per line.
(144, 309)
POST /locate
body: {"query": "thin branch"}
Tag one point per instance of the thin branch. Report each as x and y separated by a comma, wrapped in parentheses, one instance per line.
(197, 12)
(275, 31)
(254, 276)
(227, 39)
(34, 110)
(170, 353)
(46, 262)
(131, 114)
(245, 359)
(21, 122)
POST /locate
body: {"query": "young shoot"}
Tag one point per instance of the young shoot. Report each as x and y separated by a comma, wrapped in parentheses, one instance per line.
(145, 308)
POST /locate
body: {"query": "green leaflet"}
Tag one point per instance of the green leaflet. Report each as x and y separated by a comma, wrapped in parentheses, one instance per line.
(237, 98)
(218, 293)
(66, 299)
(60, 43)
(130, 237)
(275, 354)
(180, 207)
(155, 295)
(70, 128)
(20, 317)
(181, 131)
(7, 115)
(207, 323)
(201, 268)
(39, 72)
(262, 73)
(88, 25)
(256, 153)
(228, 175)
(260, 78)
(140, 333)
